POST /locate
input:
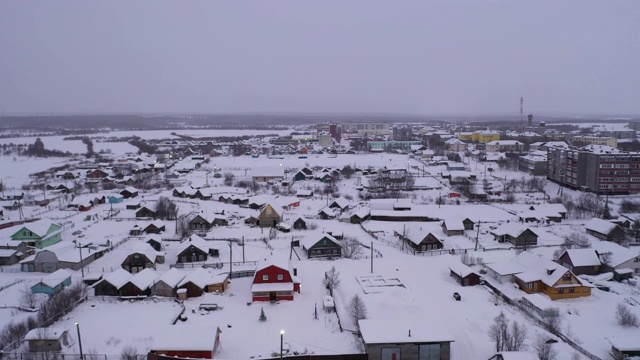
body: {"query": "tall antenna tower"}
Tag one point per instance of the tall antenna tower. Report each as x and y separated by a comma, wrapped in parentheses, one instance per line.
(521, 111)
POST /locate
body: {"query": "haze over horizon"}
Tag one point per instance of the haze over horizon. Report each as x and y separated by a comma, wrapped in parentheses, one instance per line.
(466, 57)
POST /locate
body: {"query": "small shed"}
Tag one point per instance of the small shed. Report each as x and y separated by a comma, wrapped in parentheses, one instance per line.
(464, 275)
(167, 284)
(53, 283)
(453, 227)
(48, 339)
(145, 212)
(623, 347)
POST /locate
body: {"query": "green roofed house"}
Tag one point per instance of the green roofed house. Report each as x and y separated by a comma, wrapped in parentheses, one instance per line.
(41, 233)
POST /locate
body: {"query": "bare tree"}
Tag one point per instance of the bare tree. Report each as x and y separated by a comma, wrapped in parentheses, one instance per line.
(351, 248)
(554, 323)
(332, 279)
(129, 353)
(625, 317)
(27, 298)
(166, 209)
(543, 348)
(576, 240)
(357, 309)
(499, 331)
(228, 178)
(516, 337)
(182, 227)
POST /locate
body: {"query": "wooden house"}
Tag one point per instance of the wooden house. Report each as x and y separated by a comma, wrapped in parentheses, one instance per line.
(110, 285)
(196, 249)
(515, 233)
(133, 206)
(167, 284)
(413, 338)
(48, 340)
(300, 224)
(53, 283)
(304, 193)
(581, 261)
(546, 277)
(140, 257)
(464, 275)
(321, 245)
(340, 203)
(145, 212)
(270, 216)
(154, 227)
(453, 227)
(139, 284)
(62, 256)
(11, 256)
(358, 216)
(196, 282)
(155, 242)
(40, 233)
(97, 174)
(274, 280)
(605, 230)
(421, 237)
(129, 192)
(327, 213)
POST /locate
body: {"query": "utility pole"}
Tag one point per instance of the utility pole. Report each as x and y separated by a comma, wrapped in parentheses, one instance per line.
(81, 265)
(243, 249)
(372, 257)
(477, 235)
(230, 257)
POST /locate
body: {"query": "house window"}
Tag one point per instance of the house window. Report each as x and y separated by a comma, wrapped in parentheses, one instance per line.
(572, 290)
(335, 251)
(390, 353)
(561, 291)
(566, 277)
(424, 247)
(265, 277)
(430, 352)
(428, 247)
(636, 259)
(280, 277)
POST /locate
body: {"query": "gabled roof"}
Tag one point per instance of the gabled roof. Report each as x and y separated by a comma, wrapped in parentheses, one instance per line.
(512, 229)
(200, 277)
(342, 202)
(600, 226)
(196, 241)
(50, 333)
(454, 224)
(582, 257)
(281, 262)
(39, 227)
(172, 277)
(56, 278)
(461, 269)
(278, 210)
(313, 238)
(144, 279)
(118, 278)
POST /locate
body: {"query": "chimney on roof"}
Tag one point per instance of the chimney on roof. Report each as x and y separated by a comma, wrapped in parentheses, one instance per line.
(409, 332)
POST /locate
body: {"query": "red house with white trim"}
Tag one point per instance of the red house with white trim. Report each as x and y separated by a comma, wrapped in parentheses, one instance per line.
(274, 280)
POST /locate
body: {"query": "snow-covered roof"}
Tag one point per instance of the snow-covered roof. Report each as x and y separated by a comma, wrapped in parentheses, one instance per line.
(200, 277)
(172, 277)
(461, 269)
(39, 227)
(311, 239)
(118, 278)
(454, 224)
(197, 242)
(56, 278)
(601, 226)
(518, 355)
(395, 331)
(172, 337)
(144, 279)
(512, 229)
(583, 257)
(278, 261)
(50, 333)
(625, 343)
(268, 287)
(342, 202)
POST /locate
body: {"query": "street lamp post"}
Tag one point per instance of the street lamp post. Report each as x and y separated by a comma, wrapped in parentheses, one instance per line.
(79, 341)
(281, 342)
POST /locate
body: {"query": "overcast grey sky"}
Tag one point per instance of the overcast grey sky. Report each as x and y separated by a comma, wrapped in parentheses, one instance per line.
(412, 57)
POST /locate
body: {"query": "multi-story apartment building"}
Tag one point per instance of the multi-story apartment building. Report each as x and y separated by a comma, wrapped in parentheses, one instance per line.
(595, 140)
(485, 136)
(510, 146)
(366, 128)
(599, 169)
